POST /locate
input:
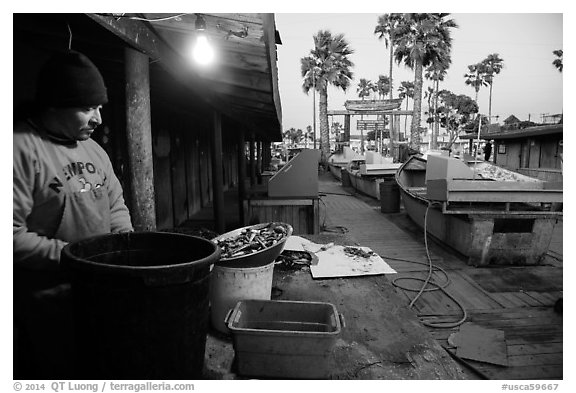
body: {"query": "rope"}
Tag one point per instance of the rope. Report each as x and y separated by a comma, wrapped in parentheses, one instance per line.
(69, 36)
(336, 228)
(428, 281)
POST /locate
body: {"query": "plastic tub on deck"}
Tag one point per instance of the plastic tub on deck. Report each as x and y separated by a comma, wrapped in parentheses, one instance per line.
(284, 339)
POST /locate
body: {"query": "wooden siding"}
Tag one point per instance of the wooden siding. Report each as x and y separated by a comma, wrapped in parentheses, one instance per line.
(302, 214)
(162, 181)
(534, 161)
(549, 157)
(544, 152)
(178, 168)
(193, 174)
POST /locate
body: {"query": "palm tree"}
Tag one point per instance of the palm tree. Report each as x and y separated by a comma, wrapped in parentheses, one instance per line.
(387, 23)
(475, 78)
(406, 90)
(294, 135)
(383, 87)
(365, 88)
(436, 73)
(429, 96)
(421, 39)
(559, 62)
(307, 135)
(337, 130)
(328, 63)
(492, 66)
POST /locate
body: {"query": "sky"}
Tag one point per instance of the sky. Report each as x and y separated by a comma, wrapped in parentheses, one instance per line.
(528, 85)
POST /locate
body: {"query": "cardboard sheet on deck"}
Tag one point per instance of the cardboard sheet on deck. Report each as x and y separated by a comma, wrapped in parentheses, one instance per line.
(475, 342)
(334, 262)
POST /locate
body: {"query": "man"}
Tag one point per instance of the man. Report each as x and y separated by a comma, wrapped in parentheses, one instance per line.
(487, 151)
(64, 190)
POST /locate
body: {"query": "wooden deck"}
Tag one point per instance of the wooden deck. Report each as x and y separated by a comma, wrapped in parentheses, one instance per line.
(516, 300)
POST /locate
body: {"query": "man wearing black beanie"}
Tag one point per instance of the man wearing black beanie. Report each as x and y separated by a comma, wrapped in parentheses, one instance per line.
(64, 190)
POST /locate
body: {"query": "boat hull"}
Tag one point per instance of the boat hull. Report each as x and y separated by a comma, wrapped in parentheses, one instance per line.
(336, 169)
(485, 238)
(367, 185)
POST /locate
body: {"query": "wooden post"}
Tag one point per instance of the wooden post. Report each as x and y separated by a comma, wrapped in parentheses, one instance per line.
(139, 134)
(347, 129)
(241, 175)
(259, 161)
(266, 155)
(252, 161)
(217, 182)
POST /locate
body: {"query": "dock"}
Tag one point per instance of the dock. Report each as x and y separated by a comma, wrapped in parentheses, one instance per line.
(516, 301)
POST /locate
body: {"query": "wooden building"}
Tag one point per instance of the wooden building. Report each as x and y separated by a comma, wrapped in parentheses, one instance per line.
(178, 134)
(533, 151)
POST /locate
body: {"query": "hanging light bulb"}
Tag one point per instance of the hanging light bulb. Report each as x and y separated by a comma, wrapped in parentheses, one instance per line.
(202, 52)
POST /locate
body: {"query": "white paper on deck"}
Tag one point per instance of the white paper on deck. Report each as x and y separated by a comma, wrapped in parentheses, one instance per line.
(297, 243)
(334, 262)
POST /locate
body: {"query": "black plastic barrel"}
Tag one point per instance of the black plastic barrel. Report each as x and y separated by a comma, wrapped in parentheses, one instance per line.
(389, 196)
(345, 178)
(140, 303)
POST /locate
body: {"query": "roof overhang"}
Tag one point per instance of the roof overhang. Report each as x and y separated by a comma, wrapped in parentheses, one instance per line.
(515, 134)
(243, 84)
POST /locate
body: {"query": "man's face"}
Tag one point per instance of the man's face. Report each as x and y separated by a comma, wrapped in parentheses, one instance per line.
(78, 123)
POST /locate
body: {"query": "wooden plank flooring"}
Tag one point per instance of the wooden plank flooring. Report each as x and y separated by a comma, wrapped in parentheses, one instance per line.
(518, 301)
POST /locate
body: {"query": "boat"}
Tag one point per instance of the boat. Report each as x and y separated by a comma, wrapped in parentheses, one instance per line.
(366, 177)
(490, 215)
(373, 105)
(336, 169)
(339, 161)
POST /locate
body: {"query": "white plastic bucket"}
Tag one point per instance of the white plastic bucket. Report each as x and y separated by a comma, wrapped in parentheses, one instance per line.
(229, 285)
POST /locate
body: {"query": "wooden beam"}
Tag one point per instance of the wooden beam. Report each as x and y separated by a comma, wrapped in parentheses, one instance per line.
(217, 177)
(281, 202)
(269, 27)
(139, 133)
(238, 77)
(236, 53)
(218, 28)
(236, 92)
(368, 113)
(262, 110)
(191, 17)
